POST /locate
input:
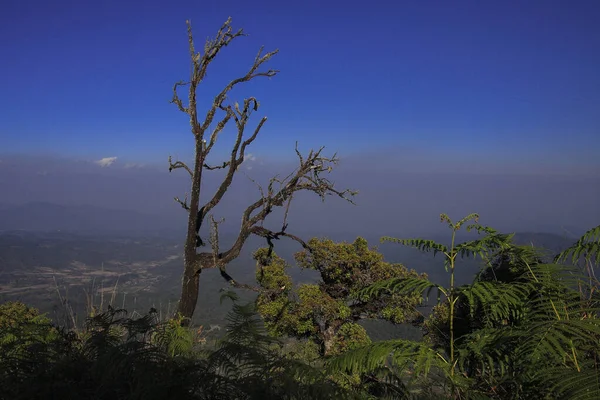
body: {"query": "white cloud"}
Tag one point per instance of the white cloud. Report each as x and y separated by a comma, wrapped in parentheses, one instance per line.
(106, 161)
(249, 158)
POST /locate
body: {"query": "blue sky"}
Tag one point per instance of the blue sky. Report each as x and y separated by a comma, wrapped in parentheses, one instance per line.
(496, 80)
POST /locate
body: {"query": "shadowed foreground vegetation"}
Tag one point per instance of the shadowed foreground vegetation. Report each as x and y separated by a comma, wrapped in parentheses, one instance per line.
(526, 327)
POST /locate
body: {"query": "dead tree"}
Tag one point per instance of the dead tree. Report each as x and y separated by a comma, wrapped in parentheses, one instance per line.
(279, 193)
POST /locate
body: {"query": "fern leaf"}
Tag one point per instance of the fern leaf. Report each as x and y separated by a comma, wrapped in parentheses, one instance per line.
(422, 245)
(484, 245)
(496, 299)
(470, 217)
(404, 353)
(575, 385)
(401, 286)
(588, 247)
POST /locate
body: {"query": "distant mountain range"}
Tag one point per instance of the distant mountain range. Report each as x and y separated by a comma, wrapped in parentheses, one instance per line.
(46, 217)
(51, 217)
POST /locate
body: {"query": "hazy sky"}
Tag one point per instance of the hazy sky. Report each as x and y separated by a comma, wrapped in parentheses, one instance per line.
(514, 81)
(391, 200)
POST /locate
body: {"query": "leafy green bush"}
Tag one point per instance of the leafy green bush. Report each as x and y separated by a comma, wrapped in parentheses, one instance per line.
(22, 326)
(118, 357)
(324, 312)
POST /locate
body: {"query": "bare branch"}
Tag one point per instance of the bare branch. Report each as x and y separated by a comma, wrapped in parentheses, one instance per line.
(179, 164)
(176, 100)
(287, 210)
(298, 153)
(237, 158)
(305, 178)
(236, 284)
(249, 141)
(269, 236)
(223, 38)
(214, 238)
(218, 129)
(199, 66)
(220, 98)
(213, 167)
(183, 203)
(260, 189)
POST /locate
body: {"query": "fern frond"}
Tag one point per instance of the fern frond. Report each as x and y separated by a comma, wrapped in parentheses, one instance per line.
(422, 245)
(588, 246)
(487, 244)
(174, 337)
(498, 301)
(589, 251)
(387, 383)
(553, 339)
(571, 384)
(400, 286)
(555, 276)
(485, 349)
(470, 217)
(228, 295)
(399, 353)
(445, 218)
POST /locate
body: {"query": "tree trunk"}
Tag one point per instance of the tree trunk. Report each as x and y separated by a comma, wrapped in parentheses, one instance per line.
(328, 336)
(191, 273)
(190, 288)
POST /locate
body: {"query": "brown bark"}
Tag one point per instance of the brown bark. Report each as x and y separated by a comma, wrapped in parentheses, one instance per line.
(306, 177)
(189, 293)
(328, 336)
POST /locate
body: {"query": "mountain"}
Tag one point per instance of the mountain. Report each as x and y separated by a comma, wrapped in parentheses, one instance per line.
(551, 243)
(41, 216)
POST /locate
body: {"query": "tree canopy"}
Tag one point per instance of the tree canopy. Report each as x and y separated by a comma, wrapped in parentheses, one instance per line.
(326, 312)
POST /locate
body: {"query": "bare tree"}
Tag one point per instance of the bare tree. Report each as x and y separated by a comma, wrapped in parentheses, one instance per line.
(279, 193)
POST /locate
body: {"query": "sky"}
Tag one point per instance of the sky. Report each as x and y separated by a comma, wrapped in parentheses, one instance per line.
(496, 88)
(505, 78)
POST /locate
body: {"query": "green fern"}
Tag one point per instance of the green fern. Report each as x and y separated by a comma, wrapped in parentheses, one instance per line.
(249, 364)
(588, 247)
(523, 325)
(423, 245)
(576, 385)
(175, 337)
(400, 286)
(483, 247)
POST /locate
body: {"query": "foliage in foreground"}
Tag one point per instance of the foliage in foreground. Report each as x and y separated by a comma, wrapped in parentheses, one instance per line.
(121, 358)
(522, 330)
